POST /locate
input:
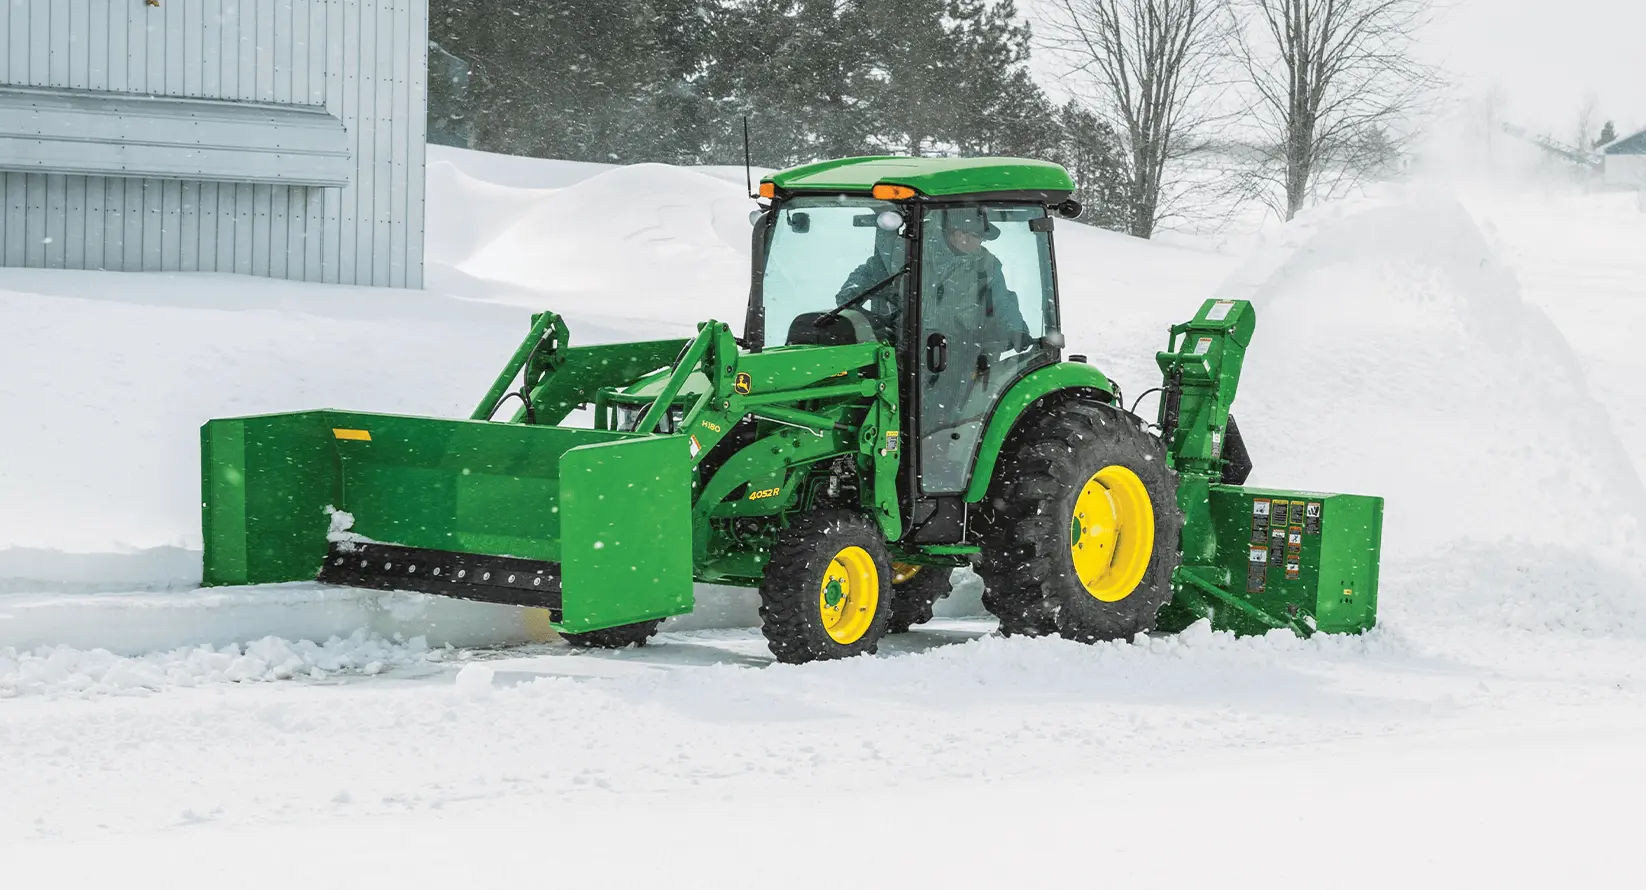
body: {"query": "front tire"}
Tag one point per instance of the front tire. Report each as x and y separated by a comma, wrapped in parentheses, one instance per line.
(827, 591)
(1083, 539)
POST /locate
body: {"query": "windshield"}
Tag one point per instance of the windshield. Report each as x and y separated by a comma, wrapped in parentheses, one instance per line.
(823, 252)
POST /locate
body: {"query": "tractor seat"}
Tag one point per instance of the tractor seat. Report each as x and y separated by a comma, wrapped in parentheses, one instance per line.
(844, 329)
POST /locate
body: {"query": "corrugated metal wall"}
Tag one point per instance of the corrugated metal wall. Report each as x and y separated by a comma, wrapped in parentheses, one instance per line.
(363, 60)
(1626, 171)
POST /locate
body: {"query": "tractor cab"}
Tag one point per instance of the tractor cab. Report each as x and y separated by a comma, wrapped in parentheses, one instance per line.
(950, 261)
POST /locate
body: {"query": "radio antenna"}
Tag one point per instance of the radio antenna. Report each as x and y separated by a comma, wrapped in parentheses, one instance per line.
(748, 164)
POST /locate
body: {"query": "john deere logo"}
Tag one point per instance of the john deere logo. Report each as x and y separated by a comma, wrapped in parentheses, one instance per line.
(743, 384)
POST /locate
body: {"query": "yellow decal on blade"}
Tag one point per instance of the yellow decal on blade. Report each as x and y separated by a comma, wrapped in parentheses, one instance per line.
(356, 435)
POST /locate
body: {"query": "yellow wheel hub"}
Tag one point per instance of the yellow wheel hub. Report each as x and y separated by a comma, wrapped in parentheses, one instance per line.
(1111, 535)
(849, 595)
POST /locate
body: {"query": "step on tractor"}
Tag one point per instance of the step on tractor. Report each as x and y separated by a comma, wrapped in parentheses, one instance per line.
(897, 407)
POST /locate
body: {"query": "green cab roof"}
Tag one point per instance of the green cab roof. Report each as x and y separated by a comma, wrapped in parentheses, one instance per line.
(935, 177)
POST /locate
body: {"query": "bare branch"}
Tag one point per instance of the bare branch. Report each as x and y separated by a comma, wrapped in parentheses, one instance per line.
(1152, 67)
(1337, 88)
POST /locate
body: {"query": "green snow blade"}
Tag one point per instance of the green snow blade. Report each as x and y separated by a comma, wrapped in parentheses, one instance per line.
(608, 507)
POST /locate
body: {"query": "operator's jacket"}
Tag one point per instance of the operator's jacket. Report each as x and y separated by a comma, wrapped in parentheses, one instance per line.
(965, 298)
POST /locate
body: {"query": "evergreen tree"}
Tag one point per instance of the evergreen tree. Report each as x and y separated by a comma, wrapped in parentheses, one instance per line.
(798, 69)
(1608, 133)
(625, 81)
(599, 80)
(1089, 149)
(940, 68)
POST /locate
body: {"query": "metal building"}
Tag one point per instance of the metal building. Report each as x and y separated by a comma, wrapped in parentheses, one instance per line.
(1626, 161)
(282, 138)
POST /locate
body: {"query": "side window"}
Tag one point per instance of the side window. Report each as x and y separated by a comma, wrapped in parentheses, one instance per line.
(1026, 260)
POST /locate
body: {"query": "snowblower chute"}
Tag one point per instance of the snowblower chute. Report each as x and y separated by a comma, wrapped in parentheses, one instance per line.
(898, 407)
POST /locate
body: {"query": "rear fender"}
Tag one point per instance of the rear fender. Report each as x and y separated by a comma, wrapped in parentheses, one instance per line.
(1019, 402)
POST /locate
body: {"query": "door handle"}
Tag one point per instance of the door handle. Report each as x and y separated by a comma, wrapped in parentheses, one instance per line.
(937, 353)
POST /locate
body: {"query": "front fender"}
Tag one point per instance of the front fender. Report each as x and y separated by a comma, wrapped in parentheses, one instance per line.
(1019, 398)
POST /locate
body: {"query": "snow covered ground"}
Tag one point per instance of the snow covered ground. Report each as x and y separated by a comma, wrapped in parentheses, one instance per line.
(1470, 357)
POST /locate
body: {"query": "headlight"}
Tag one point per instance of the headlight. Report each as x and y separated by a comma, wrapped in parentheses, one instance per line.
(627, 417)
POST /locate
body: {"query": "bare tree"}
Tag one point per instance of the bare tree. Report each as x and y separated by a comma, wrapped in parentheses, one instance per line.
(1586, 122)
(1147, 65)
(1337, 86)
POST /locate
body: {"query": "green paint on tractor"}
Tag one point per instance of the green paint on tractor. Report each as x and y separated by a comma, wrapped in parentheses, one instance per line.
(932, 177)
(898, 394)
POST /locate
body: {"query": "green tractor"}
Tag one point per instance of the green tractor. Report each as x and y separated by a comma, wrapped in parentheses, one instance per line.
(897, 407)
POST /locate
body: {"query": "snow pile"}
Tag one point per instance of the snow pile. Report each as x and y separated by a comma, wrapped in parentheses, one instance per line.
(108, 376)
(474, 681)
(1396, 356)
(1532, 588)
(60, 670)
(647, 242)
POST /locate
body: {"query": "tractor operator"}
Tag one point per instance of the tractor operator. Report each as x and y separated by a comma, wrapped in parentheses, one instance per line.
(966, 296)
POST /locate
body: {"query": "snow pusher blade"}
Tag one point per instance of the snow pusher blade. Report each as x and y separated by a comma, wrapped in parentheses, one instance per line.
(509, 513)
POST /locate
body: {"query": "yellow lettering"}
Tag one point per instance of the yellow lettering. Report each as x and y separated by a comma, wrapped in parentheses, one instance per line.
(764, 493)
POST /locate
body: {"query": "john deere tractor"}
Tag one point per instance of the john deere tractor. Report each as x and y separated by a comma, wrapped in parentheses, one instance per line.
(897, 406)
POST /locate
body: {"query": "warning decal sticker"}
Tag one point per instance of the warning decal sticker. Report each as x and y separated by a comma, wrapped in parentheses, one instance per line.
(1260, 521)
(1221, 310)
(1257, 569)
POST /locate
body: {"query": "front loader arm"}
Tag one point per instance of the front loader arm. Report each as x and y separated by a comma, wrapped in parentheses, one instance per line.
(557, 378)
(817, 403)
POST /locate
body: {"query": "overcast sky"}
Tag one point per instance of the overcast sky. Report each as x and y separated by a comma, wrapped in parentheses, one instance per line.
(1546, 54)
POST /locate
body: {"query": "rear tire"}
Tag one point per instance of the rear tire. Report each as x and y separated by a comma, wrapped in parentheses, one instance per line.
(914, 597)
(621, 637)
(1083, 536)
(827, 591)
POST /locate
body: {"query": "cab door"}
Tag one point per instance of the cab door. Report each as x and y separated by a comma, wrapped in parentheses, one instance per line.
(987, 301)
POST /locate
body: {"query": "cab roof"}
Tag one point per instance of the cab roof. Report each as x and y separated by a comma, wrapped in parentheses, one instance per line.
(933, 177)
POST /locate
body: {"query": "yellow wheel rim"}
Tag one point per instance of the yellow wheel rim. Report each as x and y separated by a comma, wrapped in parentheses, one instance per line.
(903, 572)
(1111, 535)
(849, 595)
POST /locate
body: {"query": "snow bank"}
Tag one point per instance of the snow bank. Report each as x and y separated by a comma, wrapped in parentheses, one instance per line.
(1395, 356)
(59, 670)
(107, 378)
(648, 243)
(1539, 589)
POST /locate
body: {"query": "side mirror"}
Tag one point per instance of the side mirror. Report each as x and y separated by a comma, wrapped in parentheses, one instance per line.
(755, 215)
(1069, 209)
(889, 220)
(1054, 340)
